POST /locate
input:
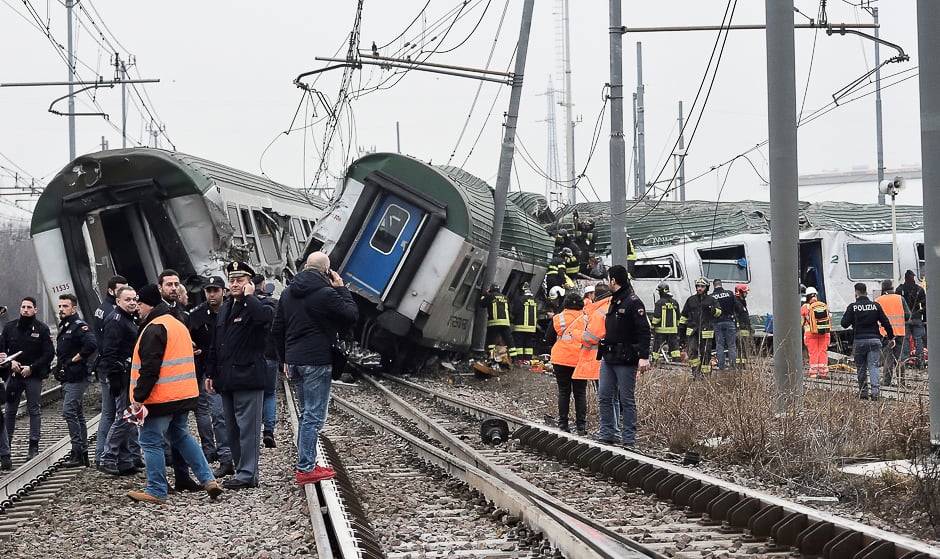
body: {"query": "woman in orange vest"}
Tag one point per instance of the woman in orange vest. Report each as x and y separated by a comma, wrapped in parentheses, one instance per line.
(817, 323)
(163, 390)
(565, 337)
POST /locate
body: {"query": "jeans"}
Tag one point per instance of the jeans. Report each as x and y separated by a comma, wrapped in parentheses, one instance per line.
(33, 388)
(107, 418)
(918, 331)
(120, 446)
(210, 423)
(176, 429)
(892, 359)
(73, 411)
(617, 384)
(312, 383)
(867, 355)
(726, 338)
(269, 408)
(567, 386)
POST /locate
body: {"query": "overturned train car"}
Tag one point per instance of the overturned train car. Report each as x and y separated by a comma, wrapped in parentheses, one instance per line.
(135, 212)
(411, 241)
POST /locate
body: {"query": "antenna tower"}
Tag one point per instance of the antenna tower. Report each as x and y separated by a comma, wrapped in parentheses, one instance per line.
(553, 190)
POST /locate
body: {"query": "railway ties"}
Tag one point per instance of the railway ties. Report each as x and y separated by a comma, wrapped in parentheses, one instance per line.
(666, 508)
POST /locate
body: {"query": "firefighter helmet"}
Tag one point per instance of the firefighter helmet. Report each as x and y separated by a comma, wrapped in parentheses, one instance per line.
(811, 291)
(556, 292)
(663, 288)
(494, 287)
(741, 288)
(567, 251)
(525, 286)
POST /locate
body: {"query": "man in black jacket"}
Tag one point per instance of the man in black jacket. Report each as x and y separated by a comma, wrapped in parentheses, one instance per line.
(104, 311)
(25, 372)
(118, 455)
(863, 316)
(311, 311)
(236, 370)
(624, 351)
(75, 345)
(916, 299)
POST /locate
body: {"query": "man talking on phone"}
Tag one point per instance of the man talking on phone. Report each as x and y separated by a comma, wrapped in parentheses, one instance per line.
(311, 311)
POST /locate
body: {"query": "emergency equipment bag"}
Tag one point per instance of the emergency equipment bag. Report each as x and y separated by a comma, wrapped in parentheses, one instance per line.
(820, 322)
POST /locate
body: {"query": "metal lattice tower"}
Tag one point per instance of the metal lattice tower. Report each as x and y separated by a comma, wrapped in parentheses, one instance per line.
(553, 190)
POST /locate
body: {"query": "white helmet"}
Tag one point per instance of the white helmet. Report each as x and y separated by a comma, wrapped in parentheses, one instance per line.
(811, 291)
(556, 292)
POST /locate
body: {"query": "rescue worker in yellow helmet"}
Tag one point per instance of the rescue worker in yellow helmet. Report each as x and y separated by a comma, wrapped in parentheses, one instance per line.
(743, 321)
(524, 322)
(497, 321)
(696, 326)
(665, 323)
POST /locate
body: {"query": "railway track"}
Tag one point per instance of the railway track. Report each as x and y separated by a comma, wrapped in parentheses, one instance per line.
(665, 508)
(33, 483)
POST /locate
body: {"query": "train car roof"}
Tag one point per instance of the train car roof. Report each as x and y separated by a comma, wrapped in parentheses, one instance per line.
(652, 223)
(469, 202)
(176, 174)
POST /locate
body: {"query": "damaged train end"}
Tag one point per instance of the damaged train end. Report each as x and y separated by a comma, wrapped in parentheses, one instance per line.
(135, 212)
(410, 240)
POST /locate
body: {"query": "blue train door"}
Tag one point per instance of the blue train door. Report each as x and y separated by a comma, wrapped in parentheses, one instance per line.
(383, 245)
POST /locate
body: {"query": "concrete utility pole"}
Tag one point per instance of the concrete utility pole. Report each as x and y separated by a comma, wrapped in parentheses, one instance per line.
(504, 172)
(928, 44)
(71, 60)
(618, 153)
(639, 189)
(681, 154)
(569, 120)
(784, 205)
(879, 140)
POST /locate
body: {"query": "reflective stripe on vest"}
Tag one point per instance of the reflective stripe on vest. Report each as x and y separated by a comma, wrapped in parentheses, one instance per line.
(177, 380)
(528, 323)
(894, 310)
(499, 312)
(566, 350)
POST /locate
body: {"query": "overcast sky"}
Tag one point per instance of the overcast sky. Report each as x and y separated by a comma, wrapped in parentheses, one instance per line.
(226, 91)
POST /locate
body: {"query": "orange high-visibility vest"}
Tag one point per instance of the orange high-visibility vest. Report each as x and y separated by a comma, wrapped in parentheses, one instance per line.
(567, 348)
(177, 379)
(595, 329)
(894, 309)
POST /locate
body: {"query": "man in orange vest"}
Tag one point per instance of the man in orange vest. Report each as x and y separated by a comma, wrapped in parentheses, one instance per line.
(163, 391)
(898, 314)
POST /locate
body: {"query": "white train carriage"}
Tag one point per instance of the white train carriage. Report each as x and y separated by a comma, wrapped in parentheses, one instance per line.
(135, 212)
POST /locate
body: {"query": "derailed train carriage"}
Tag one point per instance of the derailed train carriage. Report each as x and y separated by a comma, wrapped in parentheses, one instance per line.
(135, 212)
(411, 241)
(840, 244)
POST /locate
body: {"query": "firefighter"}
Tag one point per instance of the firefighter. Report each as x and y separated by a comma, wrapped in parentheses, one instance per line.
(497, 321)
(743, 322)
(556, 275)
(523, 323)
(695, 326)
(665, 322)
(572, 264)
(631, 256)
(817, 323)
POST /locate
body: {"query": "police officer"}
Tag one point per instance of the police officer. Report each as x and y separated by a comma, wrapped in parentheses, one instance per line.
(75, 344)
(119, 455)
(497, 321)
(210, 418)
(524, 322)
(236, 370)
(33, 340)
(624, 352)
(726, 332)
(695, 325)
(665, 322)
(107, 306)
(863, 316)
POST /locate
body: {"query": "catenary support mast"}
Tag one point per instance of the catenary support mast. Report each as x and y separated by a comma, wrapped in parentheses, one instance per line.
(618, 176)
(784, 206)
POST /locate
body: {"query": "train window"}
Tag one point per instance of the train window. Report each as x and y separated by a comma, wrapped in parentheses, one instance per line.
(477, 289)
(459, 275)
(246, 221)
(266, 237)
(460, 298)
(250, 238)
(872, 261)
(725, 263)
(921, 261)
(307, 228)
(657, 268)
(389, 230)
(298, 230)
(236, 224)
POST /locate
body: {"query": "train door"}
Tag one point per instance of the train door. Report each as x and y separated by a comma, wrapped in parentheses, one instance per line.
(383, 245)
(811, 266)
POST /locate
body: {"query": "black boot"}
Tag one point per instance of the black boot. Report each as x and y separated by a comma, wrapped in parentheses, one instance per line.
(6, 463)
(74, 460)
(269, 441)
(225, 469)
(33, 450)
(84, 457)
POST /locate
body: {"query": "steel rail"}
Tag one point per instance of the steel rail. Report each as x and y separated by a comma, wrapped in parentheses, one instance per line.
(576, 535)
(665, 478)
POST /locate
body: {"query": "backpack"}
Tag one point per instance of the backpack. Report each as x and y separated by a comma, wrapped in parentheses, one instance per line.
(819, 319)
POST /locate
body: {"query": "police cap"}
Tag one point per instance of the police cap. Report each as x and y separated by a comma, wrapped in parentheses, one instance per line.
(238, 269)
(215, 282)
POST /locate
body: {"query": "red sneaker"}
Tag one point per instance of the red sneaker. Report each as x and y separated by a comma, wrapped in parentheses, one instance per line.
(316, 475)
